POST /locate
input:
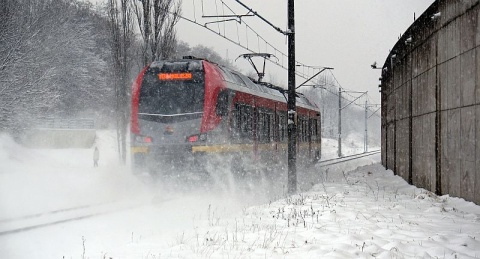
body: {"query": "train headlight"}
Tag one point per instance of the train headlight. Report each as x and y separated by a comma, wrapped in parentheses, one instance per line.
(197, 137)
(143, 139)
(193, 138)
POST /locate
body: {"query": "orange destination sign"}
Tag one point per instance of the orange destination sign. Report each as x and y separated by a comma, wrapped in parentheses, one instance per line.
(175, 76)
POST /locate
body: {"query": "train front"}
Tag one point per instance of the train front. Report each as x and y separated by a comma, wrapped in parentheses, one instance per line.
(167, 109)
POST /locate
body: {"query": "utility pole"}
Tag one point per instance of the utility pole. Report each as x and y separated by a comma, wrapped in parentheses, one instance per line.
(366, 121)
(339, 122)
(365, 148)
(291, 105)
(340, 108)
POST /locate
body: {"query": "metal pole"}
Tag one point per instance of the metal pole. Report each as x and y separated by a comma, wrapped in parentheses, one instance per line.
(322, 112)
(365, 148)
(291, 105)
(339, 122)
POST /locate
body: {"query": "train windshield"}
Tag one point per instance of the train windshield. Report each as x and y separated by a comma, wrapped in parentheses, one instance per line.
(173, 88)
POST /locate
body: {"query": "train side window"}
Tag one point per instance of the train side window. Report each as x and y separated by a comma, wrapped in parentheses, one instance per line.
(240, 122)
(277, 128)
(306, 129)
(302, 130)
(267, 128)
(282, 126)
(249, 111)
(313, 129)
(244, 120)
(299, 130)
(269, 132)
(235, 124)
(261, 127)
(264, 127)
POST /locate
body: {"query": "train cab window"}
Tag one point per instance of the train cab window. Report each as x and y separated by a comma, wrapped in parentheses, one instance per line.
(171, 97)
(175, 66)
(195, 66)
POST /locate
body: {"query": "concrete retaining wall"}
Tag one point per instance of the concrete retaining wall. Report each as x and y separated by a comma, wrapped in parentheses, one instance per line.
(431, 101)
(59, 138)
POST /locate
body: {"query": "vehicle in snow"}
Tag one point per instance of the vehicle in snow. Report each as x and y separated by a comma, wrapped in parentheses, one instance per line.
(189, 111)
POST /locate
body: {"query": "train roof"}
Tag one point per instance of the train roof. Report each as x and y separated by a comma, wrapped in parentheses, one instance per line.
(248, 84)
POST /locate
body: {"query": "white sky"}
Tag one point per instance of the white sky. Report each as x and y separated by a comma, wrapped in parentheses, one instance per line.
(348, 35)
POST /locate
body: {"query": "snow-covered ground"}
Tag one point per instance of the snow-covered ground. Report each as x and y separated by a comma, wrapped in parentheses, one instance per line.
(344, 212)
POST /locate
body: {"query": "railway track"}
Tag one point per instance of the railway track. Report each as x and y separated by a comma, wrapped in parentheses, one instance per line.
(343, 159)
(54, 217)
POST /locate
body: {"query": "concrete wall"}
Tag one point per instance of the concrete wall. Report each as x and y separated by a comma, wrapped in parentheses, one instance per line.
(431, 101)
(59, 138)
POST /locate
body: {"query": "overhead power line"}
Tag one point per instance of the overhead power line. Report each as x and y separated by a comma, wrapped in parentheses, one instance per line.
(248, 47)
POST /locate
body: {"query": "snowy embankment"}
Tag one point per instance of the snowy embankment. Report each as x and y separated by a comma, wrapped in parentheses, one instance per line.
(364, 213)
(39, 180)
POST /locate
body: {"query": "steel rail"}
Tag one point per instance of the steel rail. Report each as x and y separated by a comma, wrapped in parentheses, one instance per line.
(52, 212)
(49, 220)
(347, 158)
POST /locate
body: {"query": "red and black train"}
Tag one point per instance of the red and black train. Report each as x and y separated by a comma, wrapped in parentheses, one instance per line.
(190, 110)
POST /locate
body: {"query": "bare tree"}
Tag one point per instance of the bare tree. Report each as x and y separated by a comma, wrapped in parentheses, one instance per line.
(44, 66)
(156, 20)
(20, 92)
(120, 16)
